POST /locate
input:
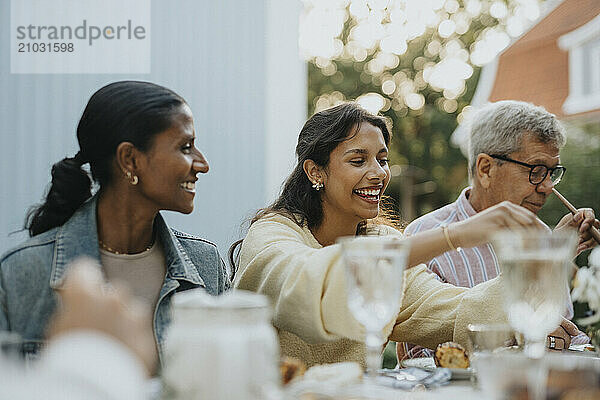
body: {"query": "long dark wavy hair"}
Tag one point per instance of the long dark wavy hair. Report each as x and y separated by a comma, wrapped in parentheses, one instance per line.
(321, 134)
(125, 111)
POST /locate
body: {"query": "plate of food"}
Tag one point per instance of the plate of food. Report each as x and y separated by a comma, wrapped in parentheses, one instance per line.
(448, 355)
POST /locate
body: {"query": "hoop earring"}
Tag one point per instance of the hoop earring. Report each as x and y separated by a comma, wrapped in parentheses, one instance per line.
(133, 179)
(317, 186)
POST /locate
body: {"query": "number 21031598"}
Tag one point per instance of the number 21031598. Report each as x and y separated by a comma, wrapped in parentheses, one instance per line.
(35, 47)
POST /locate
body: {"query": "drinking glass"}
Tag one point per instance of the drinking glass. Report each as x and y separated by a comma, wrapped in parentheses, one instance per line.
(374, 270)
(535, 272)
(486, 339)
(216, 335)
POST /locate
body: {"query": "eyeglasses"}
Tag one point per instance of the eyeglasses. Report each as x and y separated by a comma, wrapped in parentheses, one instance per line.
(538, 172)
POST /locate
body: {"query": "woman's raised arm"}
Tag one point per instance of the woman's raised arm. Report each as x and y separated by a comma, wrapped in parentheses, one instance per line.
(471, 232)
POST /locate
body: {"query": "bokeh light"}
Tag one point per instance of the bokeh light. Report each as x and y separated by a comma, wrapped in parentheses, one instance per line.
(379, 33)
(372, 102)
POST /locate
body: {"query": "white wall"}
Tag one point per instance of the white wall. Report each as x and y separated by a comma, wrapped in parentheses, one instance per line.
(237, 65)
(286, 92)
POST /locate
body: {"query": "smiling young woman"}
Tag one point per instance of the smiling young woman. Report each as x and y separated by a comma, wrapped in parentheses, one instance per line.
(335, 190)
(355, 179)
(138, 139)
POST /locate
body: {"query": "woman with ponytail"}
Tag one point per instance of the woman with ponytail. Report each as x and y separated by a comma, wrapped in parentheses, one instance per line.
(138, 139)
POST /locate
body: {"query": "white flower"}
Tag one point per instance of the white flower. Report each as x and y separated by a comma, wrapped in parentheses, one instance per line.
(594, 258)
(586, 289)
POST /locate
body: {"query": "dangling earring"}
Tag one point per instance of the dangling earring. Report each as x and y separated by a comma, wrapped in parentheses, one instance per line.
(317, 186)
(133, 179)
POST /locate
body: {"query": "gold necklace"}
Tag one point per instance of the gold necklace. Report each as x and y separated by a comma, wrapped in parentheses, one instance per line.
(111, 250)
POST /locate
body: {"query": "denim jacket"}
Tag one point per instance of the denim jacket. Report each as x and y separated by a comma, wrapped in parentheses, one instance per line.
(30, 272)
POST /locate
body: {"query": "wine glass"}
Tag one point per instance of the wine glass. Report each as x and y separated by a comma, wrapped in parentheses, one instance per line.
(535, 271)
(374, 269)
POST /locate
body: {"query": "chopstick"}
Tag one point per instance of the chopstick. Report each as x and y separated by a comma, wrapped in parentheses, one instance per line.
(595, 233)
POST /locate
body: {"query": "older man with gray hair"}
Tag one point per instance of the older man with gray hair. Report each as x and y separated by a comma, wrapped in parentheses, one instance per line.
(513, 155)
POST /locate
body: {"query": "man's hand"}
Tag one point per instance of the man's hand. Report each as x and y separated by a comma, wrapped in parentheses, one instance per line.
(582, 221)
(88, 305)
(560, 338)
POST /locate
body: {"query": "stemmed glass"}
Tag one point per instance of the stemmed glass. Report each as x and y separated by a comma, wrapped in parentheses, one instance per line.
(374, 270)
(535, 271)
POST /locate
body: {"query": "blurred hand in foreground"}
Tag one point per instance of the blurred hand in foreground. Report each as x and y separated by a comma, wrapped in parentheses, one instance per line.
(87, 304)
(583, 220)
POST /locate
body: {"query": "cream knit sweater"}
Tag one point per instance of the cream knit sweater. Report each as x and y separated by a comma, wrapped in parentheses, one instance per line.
(306, 285)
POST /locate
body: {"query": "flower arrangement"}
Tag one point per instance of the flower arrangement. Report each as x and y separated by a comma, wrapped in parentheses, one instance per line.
(586, 289)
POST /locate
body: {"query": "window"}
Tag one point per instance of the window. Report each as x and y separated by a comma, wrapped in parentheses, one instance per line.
(593, 67)
(583, 45)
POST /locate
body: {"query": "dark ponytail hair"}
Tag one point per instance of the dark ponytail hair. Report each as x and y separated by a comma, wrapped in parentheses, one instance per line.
(126, 111)
(320, 135)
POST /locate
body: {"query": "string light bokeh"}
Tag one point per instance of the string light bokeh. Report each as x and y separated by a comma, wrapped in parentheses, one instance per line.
(379, 32)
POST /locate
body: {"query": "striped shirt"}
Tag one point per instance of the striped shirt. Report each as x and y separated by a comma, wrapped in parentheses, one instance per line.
(467, 267)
